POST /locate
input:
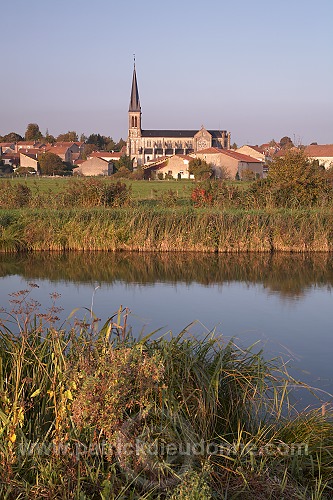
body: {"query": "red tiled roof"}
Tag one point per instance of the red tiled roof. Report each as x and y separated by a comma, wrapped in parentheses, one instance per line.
(185, 157)
(257, 148)
(30, 155)
(33, 151)
(10, 155)
(208, 151)
(232, 154)
(106, 154)
(56, 149)
(319, 150)
(68, 143)
(28, 143)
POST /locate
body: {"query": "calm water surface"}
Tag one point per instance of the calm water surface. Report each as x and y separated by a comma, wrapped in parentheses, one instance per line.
(282, 301)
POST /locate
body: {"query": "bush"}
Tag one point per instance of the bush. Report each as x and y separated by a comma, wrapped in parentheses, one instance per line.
(95, 193)
(14, 196)
(295, 180)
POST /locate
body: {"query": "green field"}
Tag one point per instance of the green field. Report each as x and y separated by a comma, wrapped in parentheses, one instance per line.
(141, 190)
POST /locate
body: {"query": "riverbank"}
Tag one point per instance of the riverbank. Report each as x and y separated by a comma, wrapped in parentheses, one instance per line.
(90, 411)
(162, 229)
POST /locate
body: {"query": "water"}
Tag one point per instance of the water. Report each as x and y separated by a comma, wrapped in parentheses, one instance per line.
(283, 302)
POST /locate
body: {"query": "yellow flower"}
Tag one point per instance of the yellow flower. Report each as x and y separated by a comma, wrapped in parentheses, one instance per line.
(12, 438)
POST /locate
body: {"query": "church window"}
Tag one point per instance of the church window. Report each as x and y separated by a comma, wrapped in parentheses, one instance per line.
(136, 121)
(132, 121)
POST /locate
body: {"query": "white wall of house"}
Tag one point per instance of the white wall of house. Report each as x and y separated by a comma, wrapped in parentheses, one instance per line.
(95, 166)
(325, 161)
(175, 166)
(28, 162)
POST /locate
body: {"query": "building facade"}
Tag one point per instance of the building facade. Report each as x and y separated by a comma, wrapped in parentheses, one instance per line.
(146, 145)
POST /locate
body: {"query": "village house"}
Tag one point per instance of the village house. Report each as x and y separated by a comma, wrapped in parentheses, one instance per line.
(24, 145)
(323, 153)
(7, 147)
(230, 164)
(254, 151)
(68, 152)
(11, 159)
(175, 166)
(106, 155)
(95, 166)
(29, 160)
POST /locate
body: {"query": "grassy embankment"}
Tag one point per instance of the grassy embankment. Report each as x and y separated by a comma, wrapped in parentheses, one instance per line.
(90, 412)
(156, 216)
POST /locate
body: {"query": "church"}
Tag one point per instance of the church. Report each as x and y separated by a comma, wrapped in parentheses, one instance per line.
(143, 146)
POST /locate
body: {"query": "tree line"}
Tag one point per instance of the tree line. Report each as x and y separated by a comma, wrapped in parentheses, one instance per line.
(92, 142)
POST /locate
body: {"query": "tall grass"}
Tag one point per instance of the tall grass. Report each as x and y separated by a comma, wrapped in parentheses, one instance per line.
(89, 411)
(166, 229)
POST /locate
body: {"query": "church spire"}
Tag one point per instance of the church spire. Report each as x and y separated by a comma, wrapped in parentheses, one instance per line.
(135, 100)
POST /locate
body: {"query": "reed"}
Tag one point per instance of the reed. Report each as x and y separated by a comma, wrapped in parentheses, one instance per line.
(166, 230)
(90, 411)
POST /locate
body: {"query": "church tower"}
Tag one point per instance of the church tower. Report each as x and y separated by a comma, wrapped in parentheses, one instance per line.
(134, 120)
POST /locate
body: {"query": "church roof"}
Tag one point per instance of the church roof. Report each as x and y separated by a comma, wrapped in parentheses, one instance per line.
(135, 100)
(179, 133)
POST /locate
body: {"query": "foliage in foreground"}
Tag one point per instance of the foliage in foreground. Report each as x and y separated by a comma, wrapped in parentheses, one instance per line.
(90, 412)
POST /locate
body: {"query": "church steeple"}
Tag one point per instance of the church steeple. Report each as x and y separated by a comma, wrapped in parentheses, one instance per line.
(134, 120)
(135, 100)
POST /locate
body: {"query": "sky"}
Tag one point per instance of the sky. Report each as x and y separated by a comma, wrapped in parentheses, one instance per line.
(261, 69)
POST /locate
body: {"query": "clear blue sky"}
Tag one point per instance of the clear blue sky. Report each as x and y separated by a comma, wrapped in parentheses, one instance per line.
(260, 69)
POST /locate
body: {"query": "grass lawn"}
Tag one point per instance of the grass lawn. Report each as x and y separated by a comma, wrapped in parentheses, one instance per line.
(141, 190)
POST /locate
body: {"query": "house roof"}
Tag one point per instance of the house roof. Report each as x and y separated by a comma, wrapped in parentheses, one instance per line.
(96, 159)
(256, 148)
(33, 151)
(9, 156)
(106, 154)
(163, 159)
(30, 155)
(57, 149)
(319, 150)
(68, 143)
(28, 143)
(209, 151)
(231, 153)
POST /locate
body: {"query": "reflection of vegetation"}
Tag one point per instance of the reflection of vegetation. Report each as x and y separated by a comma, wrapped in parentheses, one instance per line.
(287, 274)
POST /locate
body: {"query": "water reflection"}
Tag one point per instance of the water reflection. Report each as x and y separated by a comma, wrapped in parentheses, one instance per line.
(288, 275)
(284, 301)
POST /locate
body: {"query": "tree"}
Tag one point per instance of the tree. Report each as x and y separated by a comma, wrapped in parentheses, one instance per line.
(70, 136)
(50, 139)
(33, 133)
(120, 145)
(124, 162)
(296, 180)
(286, 143)
(50, 164)
(96, 139)
(87, 149)
(11, 137)
(110, 145)
(200, 169)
